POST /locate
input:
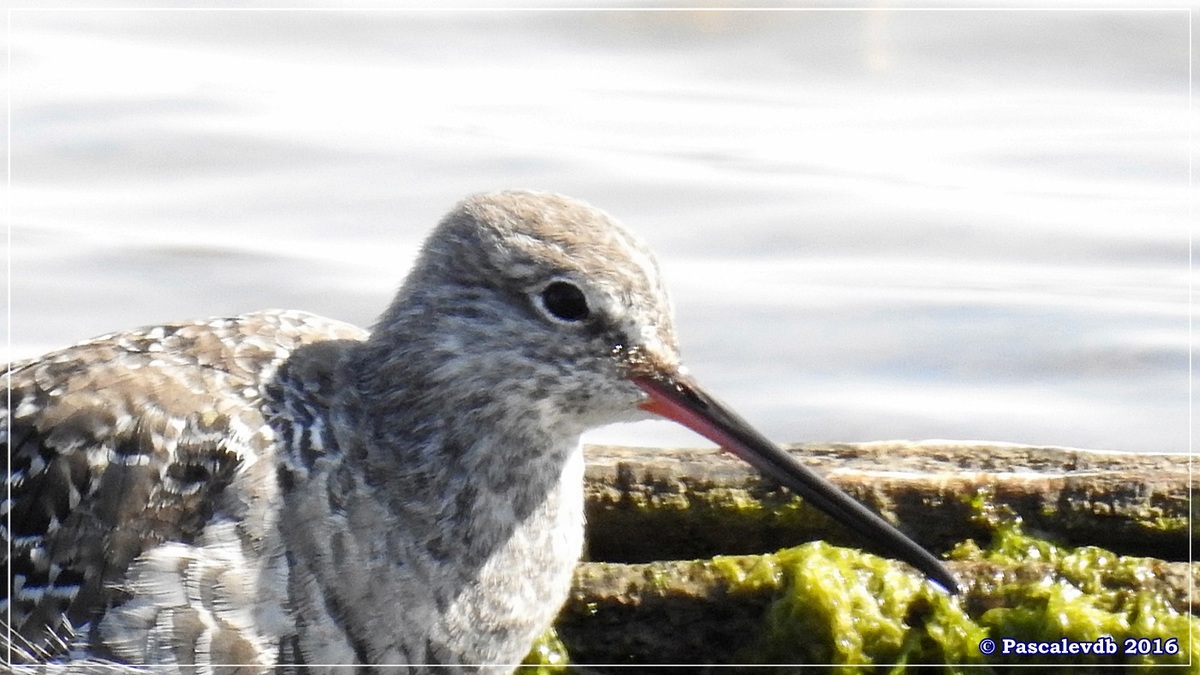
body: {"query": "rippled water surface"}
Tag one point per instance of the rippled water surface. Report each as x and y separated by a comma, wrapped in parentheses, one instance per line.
(876, 224)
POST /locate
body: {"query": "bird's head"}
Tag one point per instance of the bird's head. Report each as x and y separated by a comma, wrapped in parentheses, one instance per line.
(548, 307)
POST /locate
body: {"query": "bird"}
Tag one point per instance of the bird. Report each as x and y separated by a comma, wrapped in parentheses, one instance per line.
(282, 491)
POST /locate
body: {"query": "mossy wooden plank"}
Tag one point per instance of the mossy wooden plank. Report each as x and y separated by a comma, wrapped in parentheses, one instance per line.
(1081, 577)
(829, 605)
(654, 504)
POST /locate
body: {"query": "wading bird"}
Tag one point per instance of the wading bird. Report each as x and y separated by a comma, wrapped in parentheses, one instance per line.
(280, 489)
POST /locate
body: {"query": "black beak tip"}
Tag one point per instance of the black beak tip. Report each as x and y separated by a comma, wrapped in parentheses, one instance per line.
(945, 580)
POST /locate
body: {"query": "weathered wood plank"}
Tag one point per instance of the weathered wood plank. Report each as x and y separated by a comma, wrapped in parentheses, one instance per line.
(655, 504)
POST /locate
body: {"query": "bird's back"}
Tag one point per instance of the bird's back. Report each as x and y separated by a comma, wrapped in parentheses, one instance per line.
(152, 441)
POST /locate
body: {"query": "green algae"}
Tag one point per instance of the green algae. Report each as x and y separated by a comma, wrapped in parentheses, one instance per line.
(849, 610)
(1084, 593)
(854, 611)
(547, 657)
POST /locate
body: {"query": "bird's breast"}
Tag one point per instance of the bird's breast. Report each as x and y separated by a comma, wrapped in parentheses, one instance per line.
(521, 586)
(393, 581)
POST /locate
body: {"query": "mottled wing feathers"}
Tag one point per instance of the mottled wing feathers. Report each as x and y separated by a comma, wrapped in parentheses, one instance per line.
(131, 440)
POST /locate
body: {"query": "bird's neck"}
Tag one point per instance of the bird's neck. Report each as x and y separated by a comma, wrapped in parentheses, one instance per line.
(440, 451)
(425, 429)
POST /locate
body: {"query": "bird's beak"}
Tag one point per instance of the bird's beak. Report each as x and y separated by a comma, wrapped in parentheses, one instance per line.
(677, 397)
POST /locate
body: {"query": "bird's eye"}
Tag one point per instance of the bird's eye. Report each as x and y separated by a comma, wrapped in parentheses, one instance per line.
(564, 301)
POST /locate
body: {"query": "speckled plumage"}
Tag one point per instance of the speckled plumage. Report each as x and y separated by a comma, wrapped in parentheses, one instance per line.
(277, 488)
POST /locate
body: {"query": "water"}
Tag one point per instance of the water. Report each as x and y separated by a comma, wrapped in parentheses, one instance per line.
(876, 224)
